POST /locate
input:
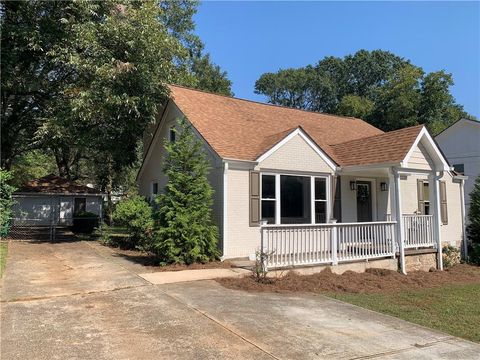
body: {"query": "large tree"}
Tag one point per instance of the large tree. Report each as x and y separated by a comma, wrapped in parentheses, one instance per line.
(377, 86)
(81, 80)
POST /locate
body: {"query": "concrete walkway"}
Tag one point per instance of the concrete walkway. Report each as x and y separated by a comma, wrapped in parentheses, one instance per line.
(67, 300)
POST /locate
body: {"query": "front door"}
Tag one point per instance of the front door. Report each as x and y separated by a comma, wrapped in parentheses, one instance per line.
(364, 201)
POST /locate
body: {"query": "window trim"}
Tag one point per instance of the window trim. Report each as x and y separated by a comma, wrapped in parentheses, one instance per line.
(278, 198)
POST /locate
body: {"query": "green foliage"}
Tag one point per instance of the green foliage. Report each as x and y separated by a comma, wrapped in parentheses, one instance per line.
(473, 228)
(186, 232)
(355, 106)
(474, 254)
(79, 78)
(6, 202)
(377, 86)
(450, 256)
(135, 214)
(31, 165)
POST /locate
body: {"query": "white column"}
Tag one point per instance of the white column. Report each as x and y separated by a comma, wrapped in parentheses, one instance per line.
(462, 204)
(399, 219)
(312, 200)
(277, 198)
(437, 216)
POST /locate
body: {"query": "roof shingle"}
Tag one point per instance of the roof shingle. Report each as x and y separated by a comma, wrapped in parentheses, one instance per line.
(244, 130)
(55, 184)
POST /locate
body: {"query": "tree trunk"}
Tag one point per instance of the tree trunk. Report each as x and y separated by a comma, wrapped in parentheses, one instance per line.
(109, 209)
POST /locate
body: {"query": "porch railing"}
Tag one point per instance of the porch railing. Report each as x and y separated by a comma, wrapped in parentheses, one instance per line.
(418, 231)
(292, 245)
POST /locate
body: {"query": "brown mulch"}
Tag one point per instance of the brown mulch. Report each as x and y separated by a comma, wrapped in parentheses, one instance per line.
(371, 281)
(151, 263)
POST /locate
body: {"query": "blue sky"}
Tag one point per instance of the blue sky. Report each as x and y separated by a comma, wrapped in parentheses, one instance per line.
(249, 38)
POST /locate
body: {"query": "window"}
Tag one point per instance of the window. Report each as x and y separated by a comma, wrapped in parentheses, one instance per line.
(423, 195)
(426, 197)
(459, 168)
(320, 200)
(297, 202)
(295, 199)
(155, 188)
(268, 198)
(172, 134)
(79, 205)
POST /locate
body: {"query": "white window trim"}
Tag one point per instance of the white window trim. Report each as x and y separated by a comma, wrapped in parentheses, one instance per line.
(278, 199)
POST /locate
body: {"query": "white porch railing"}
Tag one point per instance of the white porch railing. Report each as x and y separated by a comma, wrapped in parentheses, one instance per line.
(418, 231)
(292, 245)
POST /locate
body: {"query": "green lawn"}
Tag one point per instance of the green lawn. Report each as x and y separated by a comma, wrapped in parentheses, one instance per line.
(454, 309)
(3, 256)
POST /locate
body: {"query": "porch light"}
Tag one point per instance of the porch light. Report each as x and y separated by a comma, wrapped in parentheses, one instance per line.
(383, 186)
(353, 185)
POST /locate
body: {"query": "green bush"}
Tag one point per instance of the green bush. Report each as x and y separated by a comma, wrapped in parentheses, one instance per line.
(473, 228)
(451, 256)
(85, 222)
(474, 254)
(136, 215)
(6, 202)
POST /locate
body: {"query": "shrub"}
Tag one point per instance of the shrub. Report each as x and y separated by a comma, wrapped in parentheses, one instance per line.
(186, 232)
(474, 254)
(136, 215)
(6, 202)
(473, 228)
(450, 256)
(85, 222)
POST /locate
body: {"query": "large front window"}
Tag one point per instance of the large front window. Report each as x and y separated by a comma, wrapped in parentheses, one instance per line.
(291, 199)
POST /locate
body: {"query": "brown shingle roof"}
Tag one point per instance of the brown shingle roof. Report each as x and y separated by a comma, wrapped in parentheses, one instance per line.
(55, 184)
(388, 147)
(244, 130)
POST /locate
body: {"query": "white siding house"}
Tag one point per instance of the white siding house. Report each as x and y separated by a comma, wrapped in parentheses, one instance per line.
(312, 188)
(460, 144)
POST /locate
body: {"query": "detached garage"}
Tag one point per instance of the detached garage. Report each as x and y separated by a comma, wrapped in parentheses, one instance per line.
(54, 200)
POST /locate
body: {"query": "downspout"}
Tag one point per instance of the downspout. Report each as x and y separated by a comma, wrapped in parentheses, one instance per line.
(225, 208)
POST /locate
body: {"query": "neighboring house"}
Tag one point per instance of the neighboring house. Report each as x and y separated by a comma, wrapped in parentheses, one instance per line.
(460, 143)
(328, 187)
(53, 199)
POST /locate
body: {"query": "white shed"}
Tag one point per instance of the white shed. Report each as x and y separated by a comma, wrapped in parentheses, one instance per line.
(53, 199)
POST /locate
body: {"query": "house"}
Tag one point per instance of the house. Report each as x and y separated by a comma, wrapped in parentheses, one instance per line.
(312, 188)
(460, 143)
(54, 200)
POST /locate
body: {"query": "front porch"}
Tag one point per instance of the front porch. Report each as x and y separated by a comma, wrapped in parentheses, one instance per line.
(333, 243)
(362, 208)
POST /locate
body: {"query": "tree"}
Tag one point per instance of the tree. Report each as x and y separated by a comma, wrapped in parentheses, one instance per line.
(185, 230)
(378, 86)
(210, 77)
(79, 78)
(474, 213)
(356, 106)
(6, 202)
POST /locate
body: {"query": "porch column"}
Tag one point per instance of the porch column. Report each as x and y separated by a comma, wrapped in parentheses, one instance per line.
(437, 220)
(397, 206)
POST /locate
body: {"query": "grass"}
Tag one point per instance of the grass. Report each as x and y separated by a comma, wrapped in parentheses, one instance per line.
(3, 256)
(454, 309)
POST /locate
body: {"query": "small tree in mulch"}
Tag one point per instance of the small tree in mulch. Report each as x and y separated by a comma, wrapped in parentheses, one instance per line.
(473, 229)
(185, 230)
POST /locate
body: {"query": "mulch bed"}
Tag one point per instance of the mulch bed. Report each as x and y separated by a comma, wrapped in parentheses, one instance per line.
(371, 281)
(151, 263)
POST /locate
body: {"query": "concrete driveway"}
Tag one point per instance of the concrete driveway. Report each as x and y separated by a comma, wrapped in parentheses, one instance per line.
(69, 300)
